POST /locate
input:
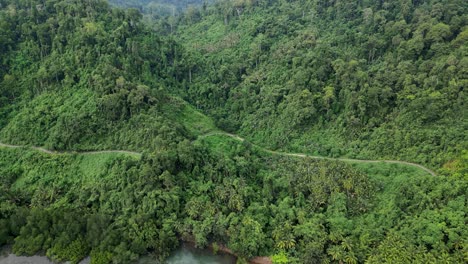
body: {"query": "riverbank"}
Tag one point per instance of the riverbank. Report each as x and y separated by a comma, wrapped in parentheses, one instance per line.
(187, 253)
(7, 257)
(254, 260)
(226, 250)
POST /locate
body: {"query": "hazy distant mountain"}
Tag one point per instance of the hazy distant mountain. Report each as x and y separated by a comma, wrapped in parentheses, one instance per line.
(158, 7)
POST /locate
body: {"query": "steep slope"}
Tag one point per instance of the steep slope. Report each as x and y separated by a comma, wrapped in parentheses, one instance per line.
(358, 79)
(80, 75)
(83, 79)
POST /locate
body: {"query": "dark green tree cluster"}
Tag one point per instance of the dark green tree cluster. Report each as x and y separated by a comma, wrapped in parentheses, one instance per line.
(379, 79)
(308, 211)
(113, 209)
(363, 78)
(81, 74)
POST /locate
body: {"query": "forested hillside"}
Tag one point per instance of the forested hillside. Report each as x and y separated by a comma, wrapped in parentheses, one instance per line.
(101, 156)
(367, 79)
(79, 74)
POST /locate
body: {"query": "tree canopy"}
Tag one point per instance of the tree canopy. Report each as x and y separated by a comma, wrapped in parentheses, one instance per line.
(82, 82)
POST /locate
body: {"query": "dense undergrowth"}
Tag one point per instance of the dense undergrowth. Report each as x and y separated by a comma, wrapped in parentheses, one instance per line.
(365, 79)
(116, 207)
(78, 75)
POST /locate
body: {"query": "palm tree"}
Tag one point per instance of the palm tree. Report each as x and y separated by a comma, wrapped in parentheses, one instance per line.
(337, 253)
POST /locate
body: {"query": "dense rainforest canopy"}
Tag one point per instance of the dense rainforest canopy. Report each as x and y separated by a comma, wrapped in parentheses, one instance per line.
(360, 79)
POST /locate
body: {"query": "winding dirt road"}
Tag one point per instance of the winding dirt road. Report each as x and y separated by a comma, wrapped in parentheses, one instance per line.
(303, 155)
(236, 137)
(132, 153)
(255, 260)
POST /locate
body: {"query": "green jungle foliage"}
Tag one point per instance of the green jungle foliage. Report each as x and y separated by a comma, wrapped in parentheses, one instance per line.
(78, 74)
(319, 77)
(364, 79)
(116, 207)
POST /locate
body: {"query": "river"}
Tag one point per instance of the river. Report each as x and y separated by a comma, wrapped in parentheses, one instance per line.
(186, 254)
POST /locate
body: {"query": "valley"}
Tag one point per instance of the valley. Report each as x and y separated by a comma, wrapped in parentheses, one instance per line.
(297, 131)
